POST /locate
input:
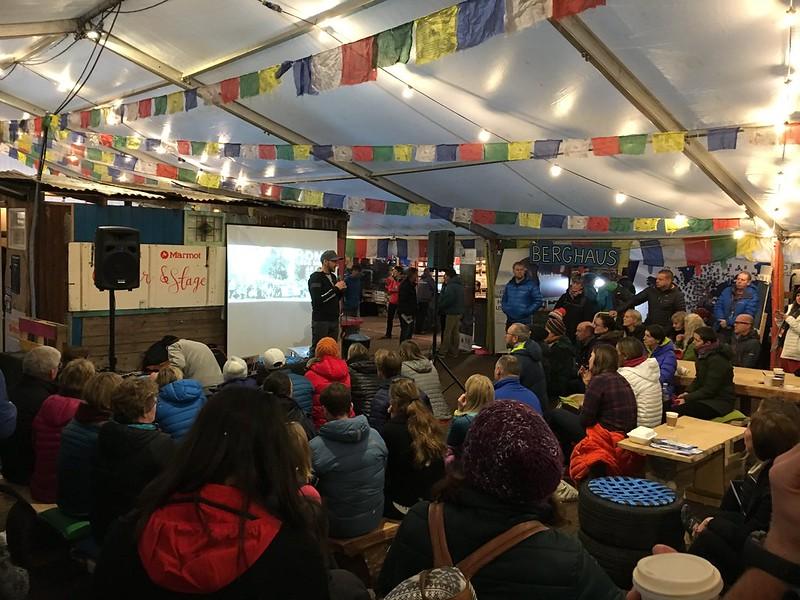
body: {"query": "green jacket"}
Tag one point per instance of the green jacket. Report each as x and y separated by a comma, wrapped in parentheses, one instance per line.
(689, 353)
(451, 300)
(713, 385)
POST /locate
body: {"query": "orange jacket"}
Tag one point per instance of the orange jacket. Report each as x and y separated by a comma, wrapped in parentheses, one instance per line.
(600, 445)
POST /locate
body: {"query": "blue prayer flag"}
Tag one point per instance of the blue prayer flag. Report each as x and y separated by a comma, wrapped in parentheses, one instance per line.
(323, 152)
(722, 138)
(553, 221)
(652, 254)
(333, 201)
(402, 248)
(232, 150)
(302, 77)
(478, 20)
(190, 99)
(446, 152)
(546, 149)
(383, 248)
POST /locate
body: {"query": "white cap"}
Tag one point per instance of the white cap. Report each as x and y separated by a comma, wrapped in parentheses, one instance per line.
(274, 358)
(234, 368)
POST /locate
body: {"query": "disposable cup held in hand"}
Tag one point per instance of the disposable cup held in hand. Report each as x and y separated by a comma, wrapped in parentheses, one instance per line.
(672, 419)
(676, 577)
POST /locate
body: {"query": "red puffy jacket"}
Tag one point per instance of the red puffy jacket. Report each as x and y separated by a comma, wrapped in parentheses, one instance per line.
(48, 424)
(393, 289)
(321, 374)
(600, 446)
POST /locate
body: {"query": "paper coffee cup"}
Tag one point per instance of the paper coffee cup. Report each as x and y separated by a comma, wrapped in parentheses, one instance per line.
(672, 419)
(676, 576)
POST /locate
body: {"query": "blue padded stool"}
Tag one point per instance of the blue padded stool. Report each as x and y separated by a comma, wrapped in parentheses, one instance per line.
(632, 491)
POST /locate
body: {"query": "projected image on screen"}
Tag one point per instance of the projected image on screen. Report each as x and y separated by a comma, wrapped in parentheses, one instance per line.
(268, 273)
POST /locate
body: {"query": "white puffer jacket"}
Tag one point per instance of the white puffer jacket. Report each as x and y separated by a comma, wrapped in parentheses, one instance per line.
(644, 379)
(791, 344)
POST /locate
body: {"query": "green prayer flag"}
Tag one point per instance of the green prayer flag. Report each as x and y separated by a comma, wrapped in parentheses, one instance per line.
(620, 225)
(198, 148)
(382, 153)
(700, 225)
(94, 154)
(95, 117)
(350, 247)
(284, 152)
(248, 85)
(187, 175)
(396, 208)
(120, 142)
(87, 164)
(509, 244)
(633, 144)
(505, 218)
(394, 45)
(723, 248)
(160, 105)
(495, 151)
(290, 194)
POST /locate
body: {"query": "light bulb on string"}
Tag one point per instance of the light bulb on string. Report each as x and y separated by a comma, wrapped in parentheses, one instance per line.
(484, 136)
(738, 234)
(408, 92)
(555, 170)
(620, 198)
(681, 220)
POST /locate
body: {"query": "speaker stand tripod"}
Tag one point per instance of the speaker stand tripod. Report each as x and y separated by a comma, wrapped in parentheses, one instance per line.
(437, 360)
(112, 316)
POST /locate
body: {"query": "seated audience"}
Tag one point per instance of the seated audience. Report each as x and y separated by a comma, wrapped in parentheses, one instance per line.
(644, 376)
(632, 324)
(507, 385)
(39, 369)
(606, 330)
(660, 347)
(325, 368)
(416, 449)
(529, 354)
(280, 386)
(302, 391)
(421, 370)
(561, 371)
(196, 361)
(131, 452)
(773, 430)
(224, 519)
(745, 342)
(350, 461)
(301, 459)
(179, 401)
(711, 394)
(576, 307)
(48, 424)
(691, 323)
(675, 332)
(364, 381)
(8, 411)
(78, 451)
(478, 394)
(511, 467)
(389, 365)
(585, 341)
(236, 372)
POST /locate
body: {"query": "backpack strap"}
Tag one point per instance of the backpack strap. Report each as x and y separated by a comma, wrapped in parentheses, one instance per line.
(441, 554)
(498, 546)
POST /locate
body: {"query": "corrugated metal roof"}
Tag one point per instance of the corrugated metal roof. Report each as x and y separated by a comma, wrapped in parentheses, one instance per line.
(71, 184)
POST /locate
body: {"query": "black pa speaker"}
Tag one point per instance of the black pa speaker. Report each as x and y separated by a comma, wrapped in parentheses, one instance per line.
(441, 249)
(116, 258)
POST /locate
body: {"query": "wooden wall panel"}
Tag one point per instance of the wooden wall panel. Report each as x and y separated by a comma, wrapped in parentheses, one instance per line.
(52, 235)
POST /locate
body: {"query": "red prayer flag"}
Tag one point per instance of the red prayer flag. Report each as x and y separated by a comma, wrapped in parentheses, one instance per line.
(698, 251)
(361, 249)
(37, 125)
(145, 108)
(598, 223)
(106, 140)
(484, 217)
(722, 224)
(423, 249)
(167, 171)
(273, 192)
(605, 146)
(565, 8)
(78, 150)
(792, 134)
(358, 65)
(86, 118)
(138, 179)
(375, 206)
(267, 151)
(362, 153)
(341, 245)
(87, 173)
(184, 147)
(470, 151)
(229, 90)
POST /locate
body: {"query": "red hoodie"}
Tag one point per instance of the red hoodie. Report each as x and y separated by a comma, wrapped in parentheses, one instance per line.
(48, 424)
(321, 374)
(194, 548)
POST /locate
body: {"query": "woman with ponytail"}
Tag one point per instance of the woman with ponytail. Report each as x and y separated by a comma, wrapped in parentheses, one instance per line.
(416, 447)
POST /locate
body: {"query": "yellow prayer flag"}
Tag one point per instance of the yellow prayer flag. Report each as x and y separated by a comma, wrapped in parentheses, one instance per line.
(175, 102)
(519, 150)
(267, 81)
(533, 220)
(107, 157)
(672, 141)
(21, 157)
(63, 134)
(133, 142)
(645, 224)
(301, 151)
(212, 149)
(24, 143)
(208, 180)
(746, 246)
(419, 210)
(312, 198)
(673, 225)
(436, 35)
(403, 152)
(55, 122)
(100, 169)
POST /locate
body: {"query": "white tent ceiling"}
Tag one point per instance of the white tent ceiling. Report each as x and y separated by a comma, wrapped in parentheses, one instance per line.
(711, 63)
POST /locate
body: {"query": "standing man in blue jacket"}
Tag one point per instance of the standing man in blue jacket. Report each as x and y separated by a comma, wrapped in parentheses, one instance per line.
(521, 298)
(741, 298)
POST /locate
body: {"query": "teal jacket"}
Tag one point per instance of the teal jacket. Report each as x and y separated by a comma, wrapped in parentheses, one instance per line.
(451, 300)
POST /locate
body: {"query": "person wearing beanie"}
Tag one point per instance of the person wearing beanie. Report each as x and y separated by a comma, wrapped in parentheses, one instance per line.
(511, 465)
(577, 307)
(235, 372)
(274, 361)
(325, 368)
(561, 371)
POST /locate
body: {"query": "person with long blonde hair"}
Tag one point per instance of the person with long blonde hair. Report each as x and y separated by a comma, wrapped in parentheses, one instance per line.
(478, 394)
(691, 323)
(416, 447)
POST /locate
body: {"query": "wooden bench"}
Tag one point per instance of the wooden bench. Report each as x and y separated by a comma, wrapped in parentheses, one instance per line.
(364, 555)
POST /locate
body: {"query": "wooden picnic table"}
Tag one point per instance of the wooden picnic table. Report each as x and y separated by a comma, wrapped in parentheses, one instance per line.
(754, 383)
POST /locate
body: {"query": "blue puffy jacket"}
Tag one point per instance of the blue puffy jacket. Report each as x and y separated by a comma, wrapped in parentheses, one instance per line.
(510, 388)
(521, 300)
(349, 457)
(727, 309)
(302, 391)
(667, 363)
(178, 405)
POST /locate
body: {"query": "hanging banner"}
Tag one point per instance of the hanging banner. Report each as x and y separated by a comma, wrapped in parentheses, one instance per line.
(567, 254)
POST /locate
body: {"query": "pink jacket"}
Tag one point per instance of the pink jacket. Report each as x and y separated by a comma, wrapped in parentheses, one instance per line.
(48, 424)
(393, 289)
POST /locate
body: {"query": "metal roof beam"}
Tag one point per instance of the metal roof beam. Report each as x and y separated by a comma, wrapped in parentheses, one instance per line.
(17, 30)
(600, 56)
(21, 104)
